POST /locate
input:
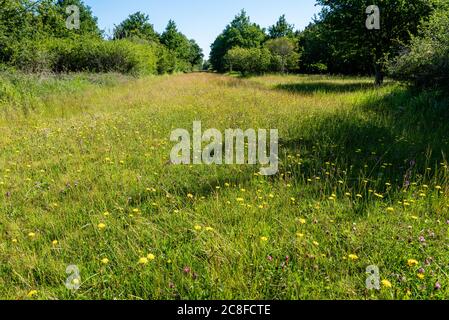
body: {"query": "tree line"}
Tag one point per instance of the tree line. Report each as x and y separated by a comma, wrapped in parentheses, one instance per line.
(34, 37)
(246, 47)
(411, 44)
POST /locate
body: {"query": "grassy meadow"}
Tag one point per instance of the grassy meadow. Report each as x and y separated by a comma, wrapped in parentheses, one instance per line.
(85, 180)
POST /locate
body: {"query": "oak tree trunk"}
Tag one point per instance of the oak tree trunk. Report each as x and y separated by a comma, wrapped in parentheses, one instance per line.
(379, 75)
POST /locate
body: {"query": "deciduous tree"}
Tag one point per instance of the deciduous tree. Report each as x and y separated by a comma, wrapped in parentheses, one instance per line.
(241, 32)
(136, 25)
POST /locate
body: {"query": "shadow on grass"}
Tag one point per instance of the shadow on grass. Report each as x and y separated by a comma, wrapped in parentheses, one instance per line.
(391, 137)
(201, 182)
(396, 138)
(324, 87)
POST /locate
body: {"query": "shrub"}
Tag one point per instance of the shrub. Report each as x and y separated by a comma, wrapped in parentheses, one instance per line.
(319, 68)
(284, 57)
(248, 61)
(32, 56)
(92, 55)
(86, 54)
(166, 61)
(425, 62)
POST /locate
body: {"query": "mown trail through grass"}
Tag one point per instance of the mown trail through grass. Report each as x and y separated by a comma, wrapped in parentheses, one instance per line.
(85, 180)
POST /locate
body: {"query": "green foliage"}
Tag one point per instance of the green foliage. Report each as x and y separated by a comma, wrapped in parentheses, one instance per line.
(283, 54)
(27, 19)
(248, 60)
(22, 21)
(244, 44)
(166, 61)
(33, 56)
(426, 61)
(186, 53)
(241, 32)
(195, 55)
(175, 41)
(281, 29)
(86, 54)
(34, 38)
(346, 45)
(314, 48)
(136, 25)
(206, 66)
(319, 68)
(15, 25)
(88, 22)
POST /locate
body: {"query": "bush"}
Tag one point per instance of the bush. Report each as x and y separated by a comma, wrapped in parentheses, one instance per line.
(425, 62)
(319, 68)
(32, 57)
(166, 62)
(284, 56)
(87, 54)
(248, 61)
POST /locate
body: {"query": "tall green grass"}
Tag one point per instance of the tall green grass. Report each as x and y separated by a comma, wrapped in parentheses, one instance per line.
(85, 180)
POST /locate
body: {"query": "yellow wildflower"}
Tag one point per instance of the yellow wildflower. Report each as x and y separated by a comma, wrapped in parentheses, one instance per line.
(151, 257)
(412, 262)
(101, 226)
(353, 257)
(32, 293)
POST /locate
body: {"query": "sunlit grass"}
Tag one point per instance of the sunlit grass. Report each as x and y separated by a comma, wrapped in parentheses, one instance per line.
(85, 180)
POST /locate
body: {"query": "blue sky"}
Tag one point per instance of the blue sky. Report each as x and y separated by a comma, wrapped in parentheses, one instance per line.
(203, 20)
